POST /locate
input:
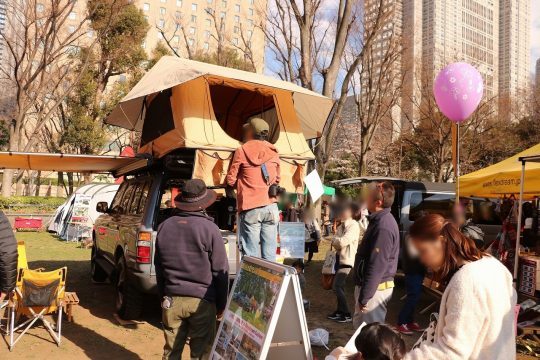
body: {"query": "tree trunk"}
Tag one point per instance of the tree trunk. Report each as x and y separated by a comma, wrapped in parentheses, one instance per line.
(7, 180)
(61, 184)
(70, 183)
(38, 183)
(87, 178)
(19, 186)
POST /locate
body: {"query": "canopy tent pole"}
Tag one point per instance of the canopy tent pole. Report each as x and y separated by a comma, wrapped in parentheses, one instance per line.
(520, 209)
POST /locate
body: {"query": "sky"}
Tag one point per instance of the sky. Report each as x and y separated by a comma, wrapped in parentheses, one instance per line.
(535, 38)
(535, 33)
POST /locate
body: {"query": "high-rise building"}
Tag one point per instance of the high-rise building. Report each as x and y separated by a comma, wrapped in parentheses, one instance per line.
(514, 46)
(3, 15)
(492, 35)
(537, 82)
(199, 25)
(461, 30)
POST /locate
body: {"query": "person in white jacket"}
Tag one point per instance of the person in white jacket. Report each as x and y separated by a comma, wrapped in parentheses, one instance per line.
(476, 316)
(345, 242)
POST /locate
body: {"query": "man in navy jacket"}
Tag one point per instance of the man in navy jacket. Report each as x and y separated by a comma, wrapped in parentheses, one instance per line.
(192, 273)
(376, 260)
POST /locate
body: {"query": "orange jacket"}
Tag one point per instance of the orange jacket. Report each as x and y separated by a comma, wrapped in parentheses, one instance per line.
(246, 175)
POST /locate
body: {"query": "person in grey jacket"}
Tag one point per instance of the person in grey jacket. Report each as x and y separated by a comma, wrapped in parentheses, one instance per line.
(376, 260)
(8, 257)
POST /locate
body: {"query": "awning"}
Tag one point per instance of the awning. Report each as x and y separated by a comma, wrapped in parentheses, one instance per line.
(504, 178)
(117, 165)
(311, 108)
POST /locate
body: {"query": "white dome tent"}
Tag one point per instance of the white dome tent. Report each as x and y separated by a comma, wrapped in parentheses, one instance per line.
(75, 218)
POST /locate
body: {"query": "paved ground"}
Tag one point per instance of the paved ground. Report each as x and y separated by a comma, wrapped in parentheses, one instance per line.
(95, 334)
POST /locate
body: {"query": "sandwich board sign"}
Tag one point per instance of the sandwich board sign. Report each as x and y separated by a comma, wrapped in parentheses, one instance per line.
(264, 318)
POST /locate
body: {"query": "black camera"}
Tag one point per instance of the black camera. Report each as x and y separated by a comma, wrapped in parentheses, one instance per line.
(275, 190)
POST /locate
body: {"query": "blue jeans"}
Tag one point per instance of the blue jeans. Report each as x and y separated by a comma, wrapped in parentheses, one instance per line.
(413, 285)
(257, 232)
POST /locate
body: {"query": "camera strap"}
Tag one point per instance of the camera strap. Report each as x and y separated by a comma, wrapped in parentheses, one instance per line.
(265, 174)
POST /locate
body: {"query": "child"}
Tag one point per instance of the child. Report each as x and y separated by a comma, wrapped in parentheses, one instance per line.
(375, 342)
(299, 266)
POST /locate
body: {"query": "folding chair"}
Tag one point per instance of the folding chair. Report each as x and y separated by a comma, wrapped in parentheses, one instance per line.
(22, 263)
(37, 294)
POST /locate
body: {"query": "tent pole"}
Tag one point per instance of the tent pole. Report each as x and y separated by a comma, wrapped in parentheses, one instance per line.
(518, 230)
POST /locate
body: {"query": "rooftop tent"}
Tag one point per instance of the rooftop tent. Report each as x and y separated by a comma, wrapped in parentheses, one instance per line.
(311, 108)
(503, 178)
(186, 104)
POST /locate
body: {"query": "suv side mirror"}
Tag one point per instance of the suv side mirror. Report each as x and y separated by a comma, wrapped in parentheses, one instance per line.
(102, 207)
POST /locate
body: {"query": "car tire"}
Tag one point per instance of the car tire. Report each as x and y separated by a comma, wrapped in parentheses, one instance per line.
(96, 271)
(129, 301)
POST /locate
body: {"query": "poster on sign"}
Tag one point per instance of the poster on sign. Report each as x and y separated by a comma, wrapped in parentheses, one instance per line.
(264, 318)
(81, 209)
(292, 237)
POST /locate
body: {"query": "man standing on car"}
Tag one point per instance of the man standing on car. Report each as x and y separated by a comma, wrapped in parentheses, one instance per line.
(376, 261)
(192, 273)
(254, 171)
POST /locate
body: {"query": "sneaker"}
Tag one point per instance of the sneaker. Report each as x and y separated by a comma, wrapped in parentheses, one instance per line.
(334, 316)
(415, 327)
(344, 318)
(404, 329)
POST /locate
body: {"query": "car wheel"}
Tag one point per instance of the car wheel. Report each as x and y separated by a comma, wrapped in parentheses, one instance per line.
(96, 271)
(129, 301)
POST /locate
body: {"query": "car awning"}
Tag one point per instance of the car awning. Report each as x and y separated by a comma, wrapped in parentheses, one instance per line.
(117, 165)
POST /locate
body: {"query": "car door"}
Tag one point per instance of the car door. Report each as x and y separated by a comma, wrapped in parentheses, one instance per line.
(131, 221)
(103, 223)
(117, 215)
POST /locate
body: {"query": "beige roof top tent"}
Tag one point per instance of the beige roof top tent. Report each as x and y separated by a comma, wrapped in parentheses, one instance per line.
(182, 103)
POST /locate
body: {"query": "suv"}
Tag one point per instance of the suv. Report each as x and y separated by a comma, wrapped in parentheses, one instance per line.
(124, 235)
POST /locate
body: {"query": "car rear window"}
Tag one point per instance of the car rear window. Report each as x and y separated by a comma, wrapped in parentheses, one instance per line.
(430, 203)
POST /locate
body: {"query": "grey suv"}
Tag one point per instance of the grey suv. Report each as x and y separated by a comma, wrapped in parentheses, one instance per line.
(125, 233)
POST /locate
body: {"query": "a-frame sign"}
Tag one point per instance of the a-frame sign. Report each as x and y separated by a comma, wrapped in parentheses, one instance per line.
(264, 318)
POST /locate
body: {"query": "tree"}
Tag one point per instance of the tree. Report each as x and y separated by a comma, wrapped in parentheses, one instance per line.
(107, 71)
(38, 68)
(310, 46)
(226, 52)
(371, 124)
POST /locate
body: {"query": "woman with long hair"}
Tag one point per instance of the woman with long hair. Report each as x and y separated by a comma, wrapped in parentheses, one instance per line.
(476, 316)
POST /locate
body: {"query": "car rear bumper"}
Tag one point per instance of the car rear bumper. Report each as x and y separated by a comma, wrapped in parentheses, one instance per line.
(144, 282)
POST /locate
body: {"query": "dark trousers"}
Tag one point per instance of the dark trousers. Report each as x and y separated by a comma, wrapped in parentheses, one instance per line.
(339, 288)
(413, 285)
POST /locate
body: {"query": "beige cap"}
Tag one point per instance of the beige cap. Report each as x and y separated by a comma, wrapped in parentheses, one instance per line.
(258, 125)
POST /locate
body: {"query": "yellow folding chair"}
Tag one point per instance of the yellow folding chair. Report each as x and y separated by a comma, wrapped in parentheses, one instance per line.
(37, 294)
(22, 261)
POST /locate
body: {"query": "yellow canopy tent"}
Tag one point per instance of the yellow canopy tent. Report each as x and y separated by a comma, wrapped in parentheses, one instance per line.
(503, 178)
(181, 103)
(509, 177)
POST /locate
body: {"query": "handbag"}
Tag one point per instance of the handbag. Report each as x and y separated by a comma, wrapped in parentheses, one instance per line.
(327, 281)
(329, 266)
(429, 334)
(329, 269)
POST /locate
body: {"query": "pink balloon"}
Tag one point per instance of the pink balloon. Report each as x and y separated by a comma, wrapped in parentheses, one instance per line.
(458, 90)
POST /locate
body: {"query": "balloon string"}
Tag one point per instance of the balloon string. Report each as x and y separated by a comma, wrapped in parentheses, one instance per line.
(457, 163)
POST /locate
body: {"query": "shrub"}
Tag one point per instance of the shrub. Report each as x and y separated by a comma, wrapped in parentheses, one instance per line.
(30, 203)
